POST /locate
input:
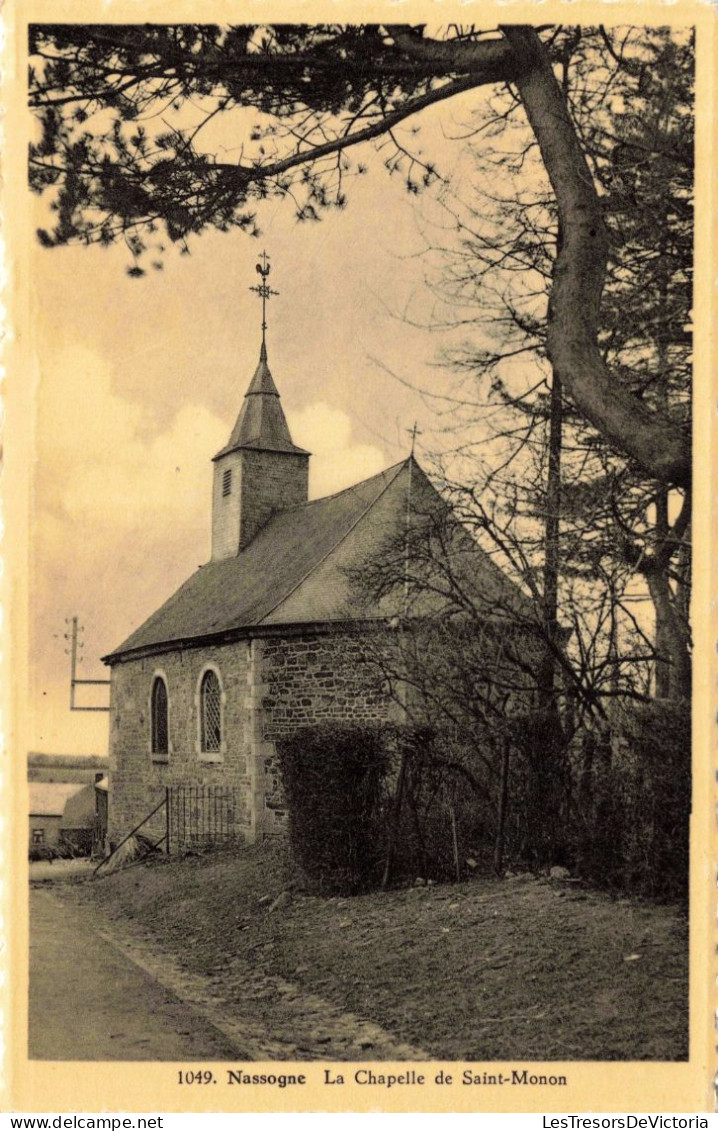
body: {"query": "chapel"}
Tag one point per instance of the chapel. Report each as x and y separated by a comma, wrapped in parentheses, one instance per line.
(264, 638)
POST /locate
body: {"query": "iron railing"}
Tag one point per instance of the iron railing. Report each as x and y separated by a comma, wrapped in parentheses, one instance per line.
(199, 815)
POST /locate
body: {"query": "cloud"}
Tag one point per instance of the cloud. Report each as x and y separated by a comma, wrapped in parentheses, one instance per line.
(121, 517)
(101, 466)
(99, 463)
(337, 460)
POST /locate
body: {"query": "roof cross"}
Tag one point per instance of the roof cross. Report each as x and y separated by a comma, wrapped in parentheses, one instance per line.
(414, 432)
(264, 291)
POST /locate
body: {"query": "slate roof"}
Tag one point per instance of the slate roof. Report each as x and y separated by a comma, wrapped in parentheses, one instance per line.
(302, 565)
(261, 423)
(68, 761)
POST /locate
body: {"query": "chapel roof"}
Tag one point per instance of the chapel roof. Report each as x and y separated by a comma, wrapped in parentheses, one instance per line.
(302, 566)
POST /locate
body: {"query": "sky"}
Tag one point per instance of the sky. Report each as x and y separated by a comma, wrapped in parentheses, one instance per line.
(139, 382)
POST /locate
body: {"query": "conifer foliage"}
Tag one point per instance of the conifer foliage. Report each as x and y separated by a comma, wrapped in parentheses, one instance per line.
(154, 132)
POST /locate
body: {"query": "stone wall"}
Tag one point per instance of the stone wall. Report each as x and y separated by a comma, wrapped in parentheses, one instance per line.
(260, 484)
(65, 767)
(318, 678)
(271, 481)
(50, 827)
(226, 507)
(138, 778)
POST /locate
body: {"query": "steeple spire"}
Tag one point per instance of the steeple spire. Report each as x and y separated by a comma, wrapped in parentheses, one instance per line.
(261, 424)
(413, 432)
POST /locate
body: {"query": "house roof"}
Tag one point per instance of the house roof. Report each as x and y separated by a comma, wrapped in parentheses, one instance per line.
(48, 798)
(302, 567)
(79, 809)
(261, 423)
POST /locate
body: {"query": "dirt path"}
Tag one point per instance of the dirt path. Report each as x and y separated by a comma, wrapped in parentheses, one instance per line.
(137, 1002)
(88, 1001)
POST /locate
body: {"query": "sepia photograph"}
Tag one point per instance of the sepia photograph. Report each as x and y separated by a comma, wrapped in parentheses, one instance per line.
(359, 724)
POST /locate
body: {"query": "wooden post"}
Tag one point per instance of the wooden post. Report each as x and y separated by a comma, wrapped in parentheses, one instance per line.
(132, 833)
(503, 805)
(455, 839)
(395, 818)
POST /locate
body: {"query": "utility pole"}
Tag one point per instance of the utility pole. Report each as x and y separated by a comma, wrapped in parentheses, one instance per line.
(76, 646)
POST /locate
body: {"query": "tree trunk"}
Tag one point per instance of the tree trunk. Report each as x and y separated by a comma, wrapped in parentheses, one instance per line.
(672, 665)
(394, 825)
(547, 669)
(660, 447)
(676, 674)
(503, 807)
(683, 580)
(662, 635)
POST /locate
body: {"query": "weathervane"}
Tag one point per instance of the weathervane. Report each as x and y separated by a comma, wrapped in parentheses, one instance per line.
(264, 291)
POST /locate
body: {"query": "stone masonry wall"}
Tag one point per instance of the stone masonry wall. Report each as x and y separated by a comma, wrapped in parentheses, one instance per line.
(271, 481)
(316, 679)
(261, 483)
(226, 508)
(137, 777)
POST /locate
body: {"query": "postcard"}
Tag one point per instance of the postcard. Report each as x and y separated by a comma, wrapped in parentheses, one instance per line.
(359, 582)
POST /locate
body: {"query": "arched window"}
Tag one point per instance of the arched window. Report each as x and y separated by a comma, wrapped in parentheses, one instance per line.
(158, 717)
(210, 713)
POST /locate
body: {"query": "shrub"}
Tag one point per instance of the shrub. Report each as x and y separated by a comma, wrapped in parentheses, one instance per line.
(334, 780)
(634, 801)
(368, 804)
(372, 804)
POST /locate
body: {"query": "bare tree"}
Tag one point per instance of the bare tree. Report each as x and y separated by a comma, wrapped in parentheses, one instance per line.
(464, 656)
(497, 280)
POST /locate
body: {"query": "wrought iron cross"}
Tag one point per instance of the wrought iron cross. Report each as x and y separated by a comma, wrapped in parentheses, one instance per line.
(414, 432)
(264, 290)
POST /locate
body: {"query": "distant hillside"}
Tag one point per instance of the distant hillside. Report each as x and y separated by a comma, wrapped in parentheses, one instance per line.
(65, 767)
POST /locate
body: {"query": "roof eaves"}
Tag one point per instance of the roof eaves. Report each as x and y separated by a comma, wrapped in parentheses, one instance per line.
(159, 647)
(240, 632)
(258, 445)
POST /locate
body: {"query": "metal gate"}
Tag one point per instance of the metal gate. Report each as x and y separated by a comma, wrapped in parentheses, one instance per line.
(200, 815)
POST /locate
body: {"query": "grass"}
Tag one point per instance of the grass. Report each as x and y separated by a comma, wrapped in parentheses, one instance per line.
(519, 969)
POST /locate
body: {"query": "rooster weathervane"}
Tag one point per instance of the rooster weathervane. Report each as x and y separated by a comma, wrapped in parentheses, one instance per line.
(264, 291)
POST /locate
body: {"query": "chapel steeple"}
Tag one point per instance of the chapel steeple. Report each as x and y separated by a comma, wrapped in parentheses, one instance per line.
(261, 422)
(260, 470)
